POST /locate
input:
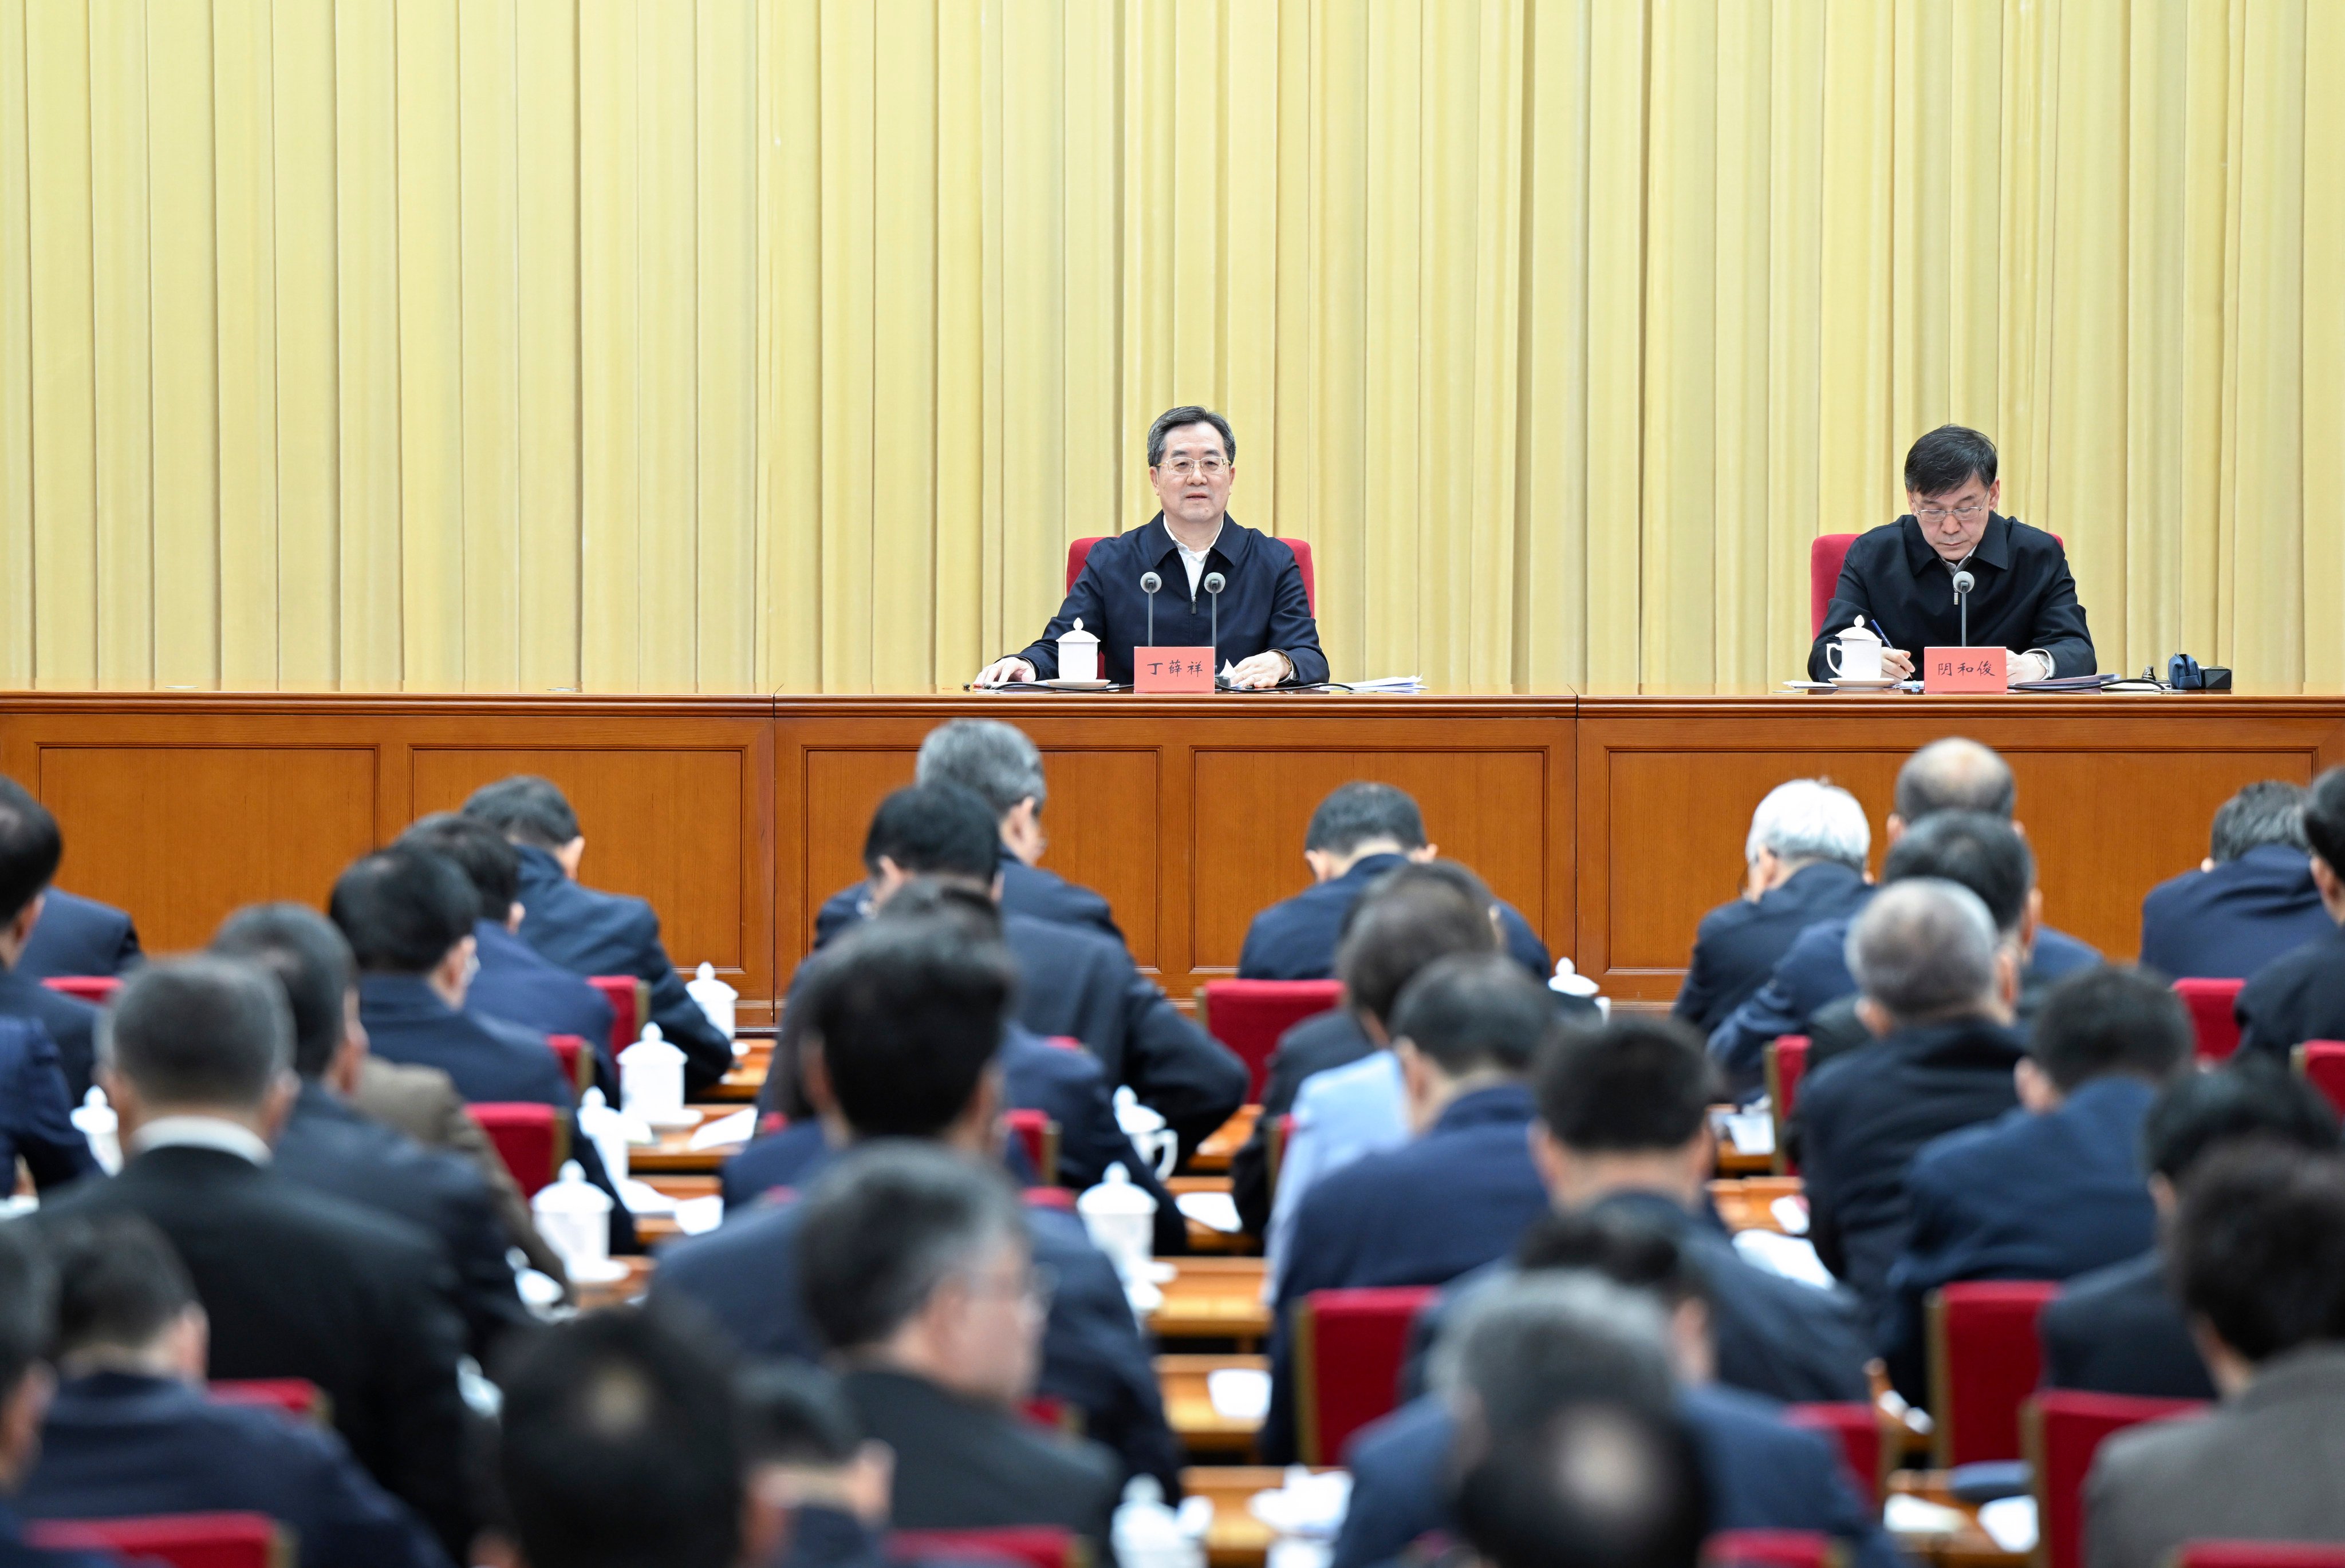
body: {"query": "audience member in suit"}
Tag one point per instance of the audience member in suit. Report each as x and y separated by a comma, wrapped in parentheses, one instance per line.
(1938, 982)
(30, 847)
(80, 935)
(2120, 1330)
(516, 982)
(2301, 995)
(327, 1146)
(295, 1284)
(817, 1484)
(1334, 1038)
(2260, 1258)
(1464, 1030)
(1762, 1472)
(1804, 862)
(131, 1434)
(2251, 900)
(620, 1444)
(903, 1024)
(2055, 1188)
(589, 932)
(921, 1280)
(28, 1292)
(34, 1120)
(1952, 775)
(1358, 833)
(996, 763)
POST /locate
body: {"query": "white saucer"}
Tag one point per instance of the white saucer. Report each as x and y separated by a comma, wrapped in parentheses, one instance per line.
(1883, 684)
(1059, 683)
(608, 1272)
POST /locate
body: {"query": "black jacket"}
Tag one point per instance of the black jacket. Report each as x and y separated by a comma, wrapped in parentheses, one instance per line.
(35, 1116)
(520, 986)
(2227, 924)
(71, 1022)
(1736, 945)
(1025, 890)
(2119, 1330)
(77, 935)
(1294, 939)
(2025, 598)
(2296, 997)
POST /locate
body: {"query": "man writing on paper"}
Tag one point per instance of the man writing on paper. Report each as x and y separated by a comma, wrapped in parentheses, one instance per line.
(1266, 628)
(1902, 575)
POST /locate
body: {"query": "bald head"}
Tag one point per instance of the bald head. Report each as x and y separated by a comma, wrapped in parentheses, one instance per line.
(1955, 774)
(1923, 949)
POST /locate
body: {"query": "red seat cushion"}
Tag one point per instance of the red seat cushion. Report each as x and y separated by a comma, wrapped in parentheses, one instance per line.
(1032, 1545)
(98, 990)
(1856, 1429)
(2322, 1063)
(2065, 1428)
(625, 995)
(1767, 1549)
(527, 1138)
(295, 1396)
(2262, 1554)
(1825, 554)
(1349, 1346)
(181, 1540)
(1985, 1361)
(2212, 1014)
(1249, 1015)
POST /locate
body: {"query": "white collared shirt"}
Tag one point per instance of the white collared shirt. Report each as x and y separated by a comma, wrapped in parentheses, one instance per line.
(200, 1132)
(1194, 559)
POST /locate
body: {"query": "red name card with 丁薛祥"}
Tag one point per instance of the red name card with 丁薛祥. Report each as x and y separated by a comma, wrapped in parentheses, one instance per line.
(1171, 669)
(1965, 669)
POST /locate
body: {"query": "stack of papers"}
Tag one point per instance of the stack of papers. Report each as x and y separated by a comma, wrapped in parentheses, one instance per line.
(1402, 685)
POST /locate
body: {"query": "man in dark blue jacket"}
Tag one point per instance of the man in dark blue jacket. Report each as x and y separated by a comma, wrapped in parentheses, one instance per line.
(34, 1118)
(2252, 901)
(1262, 624)
(131, 1434)
(79, 936)
(29, 1296)
(2054, 1189)
(589, 932)
(30, 848)
(2301, 995)
(1358, 833)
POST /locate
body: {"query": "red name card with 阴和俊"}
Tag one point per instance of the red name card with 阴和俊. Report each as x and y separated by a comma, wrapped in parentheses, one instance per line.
(1171, 669)
(1965, 669)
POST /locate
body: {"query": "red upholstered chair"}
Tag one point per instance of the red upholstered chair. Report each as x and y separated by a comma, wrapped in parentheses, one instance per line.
(2322, 1063)
(181, 1540)
(2210, 1002)
(1348, 1349)
(1787, 1064)
(1248, 1016)
(296, 1397)
(2062, 1429)
(2260, 1554)
(577, 1061)
(1057, 1198)
(631, 1004)
(1040, 1134)
(1030, 1546)
(1770, 1549)
(1079, 551)
(1856, 1429)
(98, 990)
(1984, 1361)
(532, 1142)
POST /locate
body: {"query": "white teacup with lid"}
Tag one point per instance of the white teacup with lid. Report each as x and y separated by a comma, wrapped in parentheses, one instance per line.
(1855, 656)
(1078, 653)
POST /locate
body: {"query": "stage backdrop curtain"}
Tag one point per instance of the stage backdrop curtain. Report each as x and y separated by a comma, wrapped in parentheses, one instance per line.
(726, 345)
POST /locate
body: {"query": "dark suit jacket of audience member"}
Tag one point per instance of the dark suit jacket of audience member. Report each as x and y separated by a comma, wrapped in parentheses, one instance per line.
(1737, 943)
(35, 1119)
(2296, 997)
(71, 1023)
(119, 1446)
(1762, 1474)
(1834, 1029)
(1330, 1039)
(424, 1105)
(1862, 1118)
(327, 1147)
(745, 1274)
(2227, 924)
(1452, 1199)
(1294, 939)
(2024, 1197)
(77, 935)
(589, 932)
(300, 1285)
(520, 986)
(1025, 890)
(2119, 1330)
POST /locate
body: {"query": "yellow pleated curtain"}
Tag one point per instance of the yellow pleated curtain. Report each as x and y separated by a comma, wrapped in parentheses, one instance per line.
(750, 345)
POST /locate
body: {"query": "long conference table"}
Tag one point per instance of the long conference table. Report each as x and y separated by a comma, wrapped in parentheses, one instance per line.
(1611, 822)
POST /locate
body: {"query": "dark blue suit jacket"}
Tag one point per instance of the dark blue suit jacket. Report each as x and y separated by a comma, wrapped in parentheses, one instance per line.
(1265, 606)
(15, 1554)
(2228, 923)
(745, 1274)
(1451, 1199)
(70, 1022)
(2296, 997)
(2024, 1197)
(589, 932)
(1294, 939)
(1737, 943)
(2119, 1330)
(1762, 1474)
(118, 1446)
(77, 935)
(35, 1117)
(520, 986)
(1025, 890)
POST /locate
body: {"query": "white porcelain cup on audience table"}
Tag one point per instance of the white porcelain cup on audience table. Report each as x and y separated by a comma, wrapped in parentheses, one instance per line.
(1856, 656)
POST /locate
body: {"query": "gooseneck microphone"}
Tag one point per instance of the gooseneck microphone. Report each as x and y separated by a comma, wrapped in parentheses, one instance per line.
(1964, 584)
(1149, 583)
(1215, 583)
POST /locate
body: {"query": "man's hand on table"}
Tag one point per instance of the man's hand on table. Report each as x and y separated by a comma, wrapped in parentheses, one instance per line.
(1896, 664)
(1261, 672)
(1003, 672)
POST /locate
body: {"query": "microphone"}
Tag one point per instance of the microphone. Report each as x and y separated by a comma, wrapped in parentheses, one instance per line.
(1964, 584)
(1149, 583)
(1213, 584)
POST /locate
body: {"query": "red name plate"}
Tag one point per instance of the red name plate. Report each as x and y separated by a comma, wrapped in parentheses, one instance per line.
(1965, 669)
(1171, 669)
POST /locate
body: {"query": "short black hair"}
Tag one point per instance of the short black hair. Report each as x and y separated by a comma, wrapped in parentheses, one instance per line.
(28, 1302)
(2248, 1096)
(2271, 811)
(887, 1225)
(795, 1412)
(301, 950)
(1947, 459)
(121, 1283)
(1972, 849)
(1171, 419)
(1955, 774)
(620, 1444)
(1601, 1484)
(910, 1015)
(1624, 1249)
(526, 809)
(937, 830)
(2323, 818)
(1471, 1011)
(30, 847)
(2109, 1019)
(485, 856)
(199, 1031)
(1359, 812)
(1397, 927)
(2258, 1247)
(1635, 1086)
(402, 908)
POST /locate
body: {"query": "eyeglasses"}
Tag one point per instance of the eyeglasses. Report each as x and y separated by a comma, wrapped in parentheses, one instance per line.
(1202, 468)
(1033, 1289)
(1971, 513)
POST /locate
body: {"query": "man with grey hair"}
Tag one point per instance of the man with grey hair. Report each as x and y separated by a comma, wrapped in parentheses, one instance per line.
(197, 1057)
(1260, 621)
(1803, 862)
(1938, 983)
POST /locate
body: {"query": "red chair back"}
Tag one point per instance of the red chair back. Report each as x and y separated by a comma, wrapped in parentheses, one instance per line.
(2064, 1428)
(1057, 1198)
(1984, 1361)
(630, 1001)
(1787, 1064)
(1033, 1545)
(1248, 1016)
(1857, 1430)
(528, 1139)
(1080, 551)
(2211, 1005)
(1348, 1349)
(296, 1397)
(1825, 554)
(2260, 1554)
(182, 1539)
(1040, 1136)
(577, 1061)
(98, 990)
(1767, 1549)
(2322, 1063)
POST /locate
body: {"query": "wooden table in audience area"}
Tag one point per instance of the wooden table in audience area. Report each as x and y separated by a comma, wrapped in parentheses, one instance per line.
(1611, 822)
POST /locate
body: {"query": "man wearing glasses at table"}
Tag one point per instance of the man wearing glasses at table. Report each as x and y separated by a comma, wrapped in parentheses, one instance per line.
(1267, 630)
(1899, 578)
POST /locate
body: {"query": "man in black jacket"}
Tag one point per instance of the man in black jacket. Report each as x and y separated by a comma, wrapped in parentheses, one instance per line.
(2252, 900)
(2301, 995)
(30, 847)
(28, 1300)
(79, 936)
